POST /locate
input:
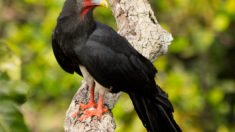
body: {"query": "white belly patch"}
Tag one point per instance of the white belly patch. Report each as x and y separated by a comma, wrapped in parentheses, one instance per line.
(90, 80)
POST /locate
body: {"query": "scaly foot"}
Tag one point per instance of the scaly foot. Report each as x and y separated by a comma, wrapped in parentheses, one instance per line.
(97, 112)
(89, 113)
(89, 105)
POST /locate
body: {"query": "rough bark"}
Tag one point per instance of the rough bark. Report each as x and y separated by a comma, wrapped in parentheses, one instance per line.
(136, 21)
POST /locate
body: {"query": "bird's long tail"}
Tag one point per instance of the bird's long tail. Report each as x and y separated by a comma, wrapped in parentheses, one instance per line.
(155, 111)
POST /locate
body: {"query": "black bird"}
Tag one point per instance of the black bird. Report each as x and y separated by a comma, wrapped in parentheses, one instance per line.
(108, 62)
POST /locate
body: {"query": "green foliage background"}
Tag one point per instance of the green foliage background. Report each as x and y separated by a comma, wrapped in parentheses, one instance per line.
(198, 72)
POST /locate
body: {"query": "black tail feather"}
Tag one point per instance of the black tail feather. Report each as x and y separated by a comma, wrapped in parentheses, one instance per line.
(155, 113)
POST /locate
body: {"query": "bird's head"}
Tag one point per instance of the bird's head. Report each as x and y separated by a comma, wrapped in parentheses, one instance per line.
(81, 7)
(78, 13)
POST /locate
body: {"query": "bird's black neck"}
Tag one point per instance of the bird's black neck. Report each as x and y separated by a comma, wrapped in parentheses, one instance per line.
(75, 24)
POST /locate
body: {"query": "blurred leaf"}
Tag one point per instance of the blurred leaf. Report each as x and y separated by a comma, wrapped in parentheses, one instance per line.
(179, 44)
(221, 22)
(203, 39)
(223, 108)
(230, 4)
(11, 119)
(30, 1)
(223, 129)
(216, 96)
(161, 63)
(9, 62)
(13, 90)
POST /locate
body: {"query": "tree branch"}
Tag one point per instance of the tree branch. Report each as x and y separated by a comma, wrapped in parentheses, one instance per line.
(136, 22)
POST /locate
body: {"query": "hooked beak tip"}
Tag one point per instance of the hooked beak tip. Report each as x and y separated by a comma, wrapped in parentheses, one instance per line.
(104, 3)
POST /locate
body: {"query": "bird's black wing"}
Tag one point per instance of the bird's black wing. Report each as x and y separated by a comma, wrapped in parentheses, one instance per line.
(112, 61)
(64, 61)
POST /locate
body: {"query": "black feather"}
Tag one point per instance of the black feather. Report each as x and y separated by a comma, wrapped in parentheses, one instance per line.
(155, 112)
(61, 58)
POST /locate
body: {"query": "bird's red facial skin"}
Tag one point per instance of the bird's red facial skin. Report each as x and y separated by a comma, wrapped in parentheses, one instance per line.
(86, 7)
(85, 10)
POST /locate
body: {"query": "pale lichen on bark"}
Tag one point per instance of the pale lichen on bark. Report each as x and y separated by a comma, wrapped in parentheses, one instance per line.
(136, 22)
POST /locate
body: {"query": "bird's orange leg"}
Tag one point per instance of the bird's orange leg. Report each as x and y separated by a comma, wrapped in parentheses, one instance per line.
(97, 112)
(90, 104)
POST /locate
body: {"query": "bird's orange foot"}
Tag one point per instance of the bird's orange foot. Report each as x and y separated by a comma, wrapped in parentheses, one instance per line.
(85, 106)
(89, 105)
(89, 113)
